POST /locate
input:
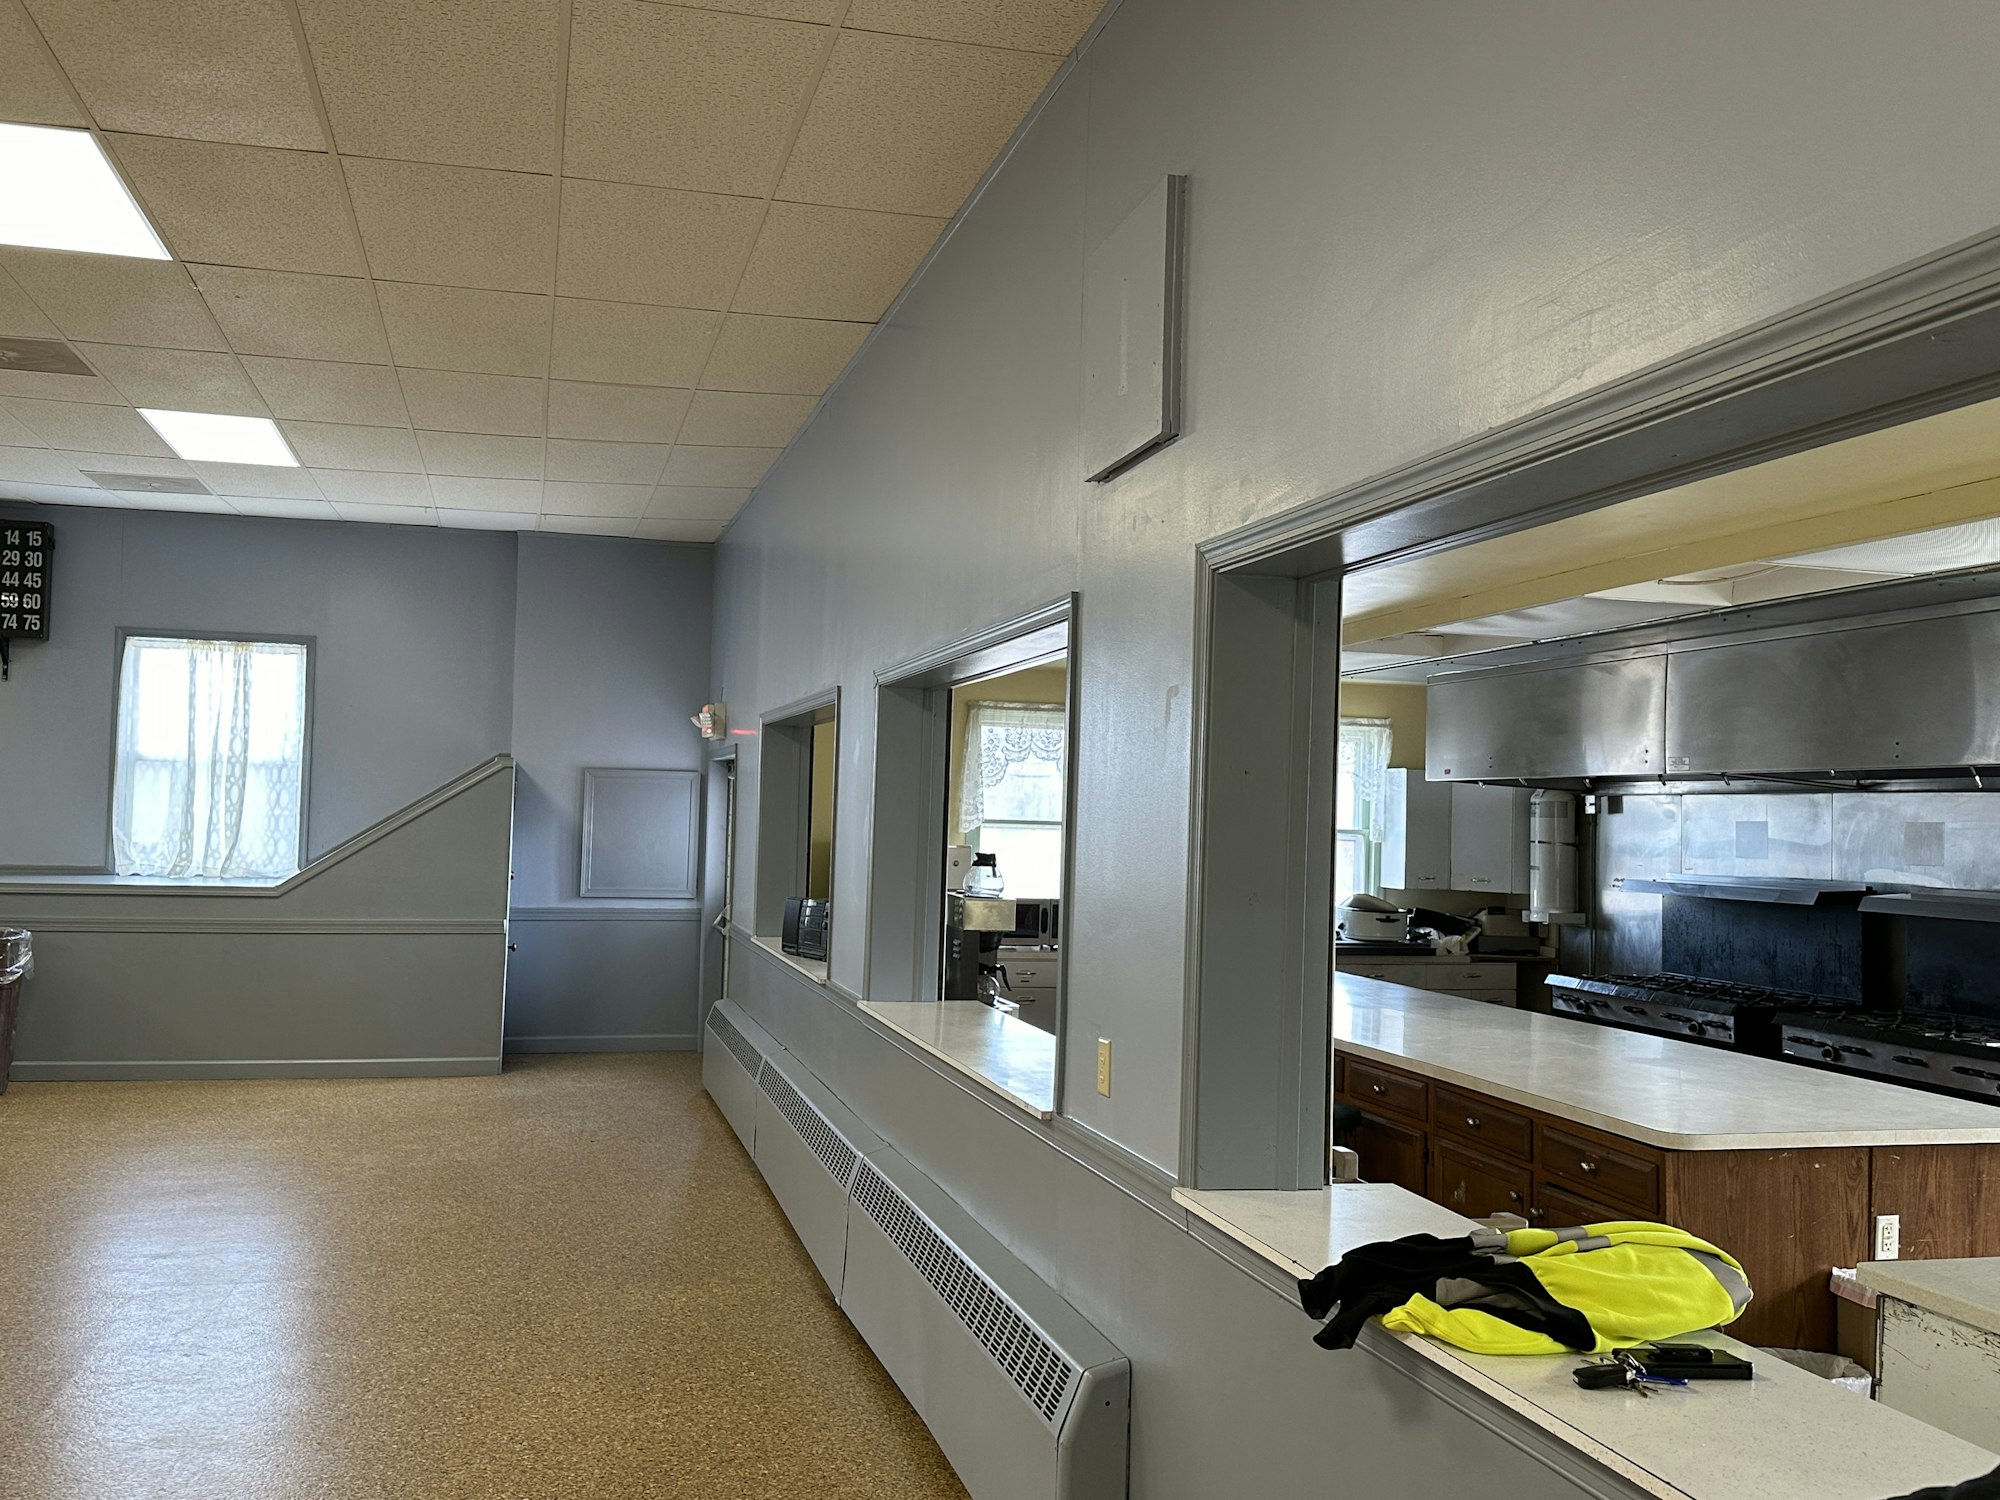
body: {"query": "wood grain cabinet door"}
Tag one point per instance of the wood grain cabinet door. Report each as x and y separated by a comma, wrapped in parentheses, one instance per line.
(1467, 1182)
(1390, 1152)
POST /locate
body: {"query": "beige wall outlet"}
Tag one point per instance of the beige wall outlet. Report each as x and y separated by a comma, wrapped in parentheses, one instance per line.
(1104, 1067)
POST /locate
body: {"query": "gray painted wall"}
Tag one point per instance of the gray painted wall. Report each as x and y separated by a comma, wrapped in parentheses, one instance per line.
(412, 675)
(1409, 225)
(611, 658)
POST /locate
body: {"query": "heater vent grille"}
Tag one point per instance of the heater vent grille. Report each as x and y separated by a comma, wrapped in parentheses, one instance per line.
(1030, 1360)
(834, 1154)
(738, 1044)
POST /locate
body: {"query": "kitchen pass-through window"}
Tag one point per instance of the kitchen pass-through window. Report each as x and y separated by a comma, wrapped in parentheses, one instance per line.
(210, 781)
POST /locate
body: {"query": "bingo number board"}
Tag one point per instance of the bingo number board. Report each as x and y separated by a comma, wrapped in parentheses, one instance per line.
(25, 548)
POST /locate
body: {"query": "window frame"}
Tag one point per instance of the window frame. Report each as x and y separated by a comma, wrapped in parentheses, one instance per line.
(784, 820)
(125, 633)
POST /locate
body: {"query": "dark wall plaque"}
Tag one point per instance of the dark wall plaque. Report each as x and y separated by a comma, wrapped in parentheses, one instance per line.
(26, 548)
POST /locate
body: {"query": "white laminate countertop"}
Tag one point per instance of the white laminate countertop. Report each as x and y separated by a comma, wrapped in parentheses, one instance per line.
(1783, 1435)
(1013, 1059)
(1967, 1291)
(1670, 1093)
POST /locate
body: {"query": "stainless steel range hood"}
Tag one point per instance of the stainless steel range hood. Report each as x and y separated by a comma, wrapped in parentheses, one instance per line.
(1896, 682)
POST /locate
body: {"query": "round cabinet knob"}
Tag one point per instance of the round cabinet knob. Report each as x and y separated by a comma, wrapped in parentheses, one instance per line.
(1588, 1166)
(1472, 1122)
(1536, 1213)
(1513, 1197)
(1374, 1088)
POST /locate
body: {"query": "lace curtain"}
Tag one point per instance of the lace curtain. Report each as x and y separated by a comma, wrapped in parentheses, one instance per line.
(1364, 775)
(211, 759)
(1013, 764)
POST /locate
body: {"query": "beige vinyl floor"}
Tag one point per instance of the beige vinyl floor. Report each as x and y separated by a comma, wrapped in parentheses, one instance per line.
(567, 1281)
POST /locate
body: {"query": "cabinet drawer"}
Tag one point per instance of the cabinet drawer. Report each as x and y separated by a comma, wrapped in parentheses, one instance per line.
(1468, 976)
(1375, 1087)
(1499, 1129)
(1036, 975)
(1557, 1209)
(1475, 1185)
(1617, 1173)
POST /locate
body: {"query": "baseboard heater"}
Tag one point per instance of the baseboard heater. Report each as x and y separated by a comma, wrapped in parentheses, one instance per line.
(1027, 1400)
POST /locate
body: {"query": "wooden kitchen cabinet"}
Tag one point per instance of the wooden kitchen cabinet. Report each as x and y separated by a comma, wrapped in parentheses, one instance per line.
(1489, 838)
(1788, 1215)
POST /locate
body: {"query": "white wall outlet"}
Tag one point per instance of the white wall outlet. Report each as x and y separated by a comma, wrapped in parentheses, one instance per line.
(1888, 1236)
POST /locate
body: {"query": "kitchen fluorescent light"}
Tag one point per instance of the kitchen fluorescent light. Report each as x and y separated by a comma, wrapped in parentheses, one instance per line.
(58, 192)
(206, 437)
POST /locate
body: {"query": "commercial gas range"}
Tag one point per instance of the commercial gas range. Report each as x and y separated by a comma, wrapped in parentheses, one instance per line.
(1951, 1054)
(1738, 1016)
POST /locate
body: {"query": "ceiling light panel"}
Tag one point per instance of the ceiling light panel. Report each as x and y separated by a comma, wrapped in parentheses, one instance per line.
(59, 192)
(214, 438)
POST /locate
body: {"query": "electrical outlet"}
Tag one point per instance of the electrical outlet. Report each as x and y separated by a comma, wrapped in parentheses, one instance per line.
(1888, 1236)
(1104, 1066)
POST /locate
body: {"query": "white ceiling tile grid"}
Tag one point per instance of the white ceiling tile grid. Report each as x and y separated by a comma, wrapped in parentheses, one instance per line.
(577, 265)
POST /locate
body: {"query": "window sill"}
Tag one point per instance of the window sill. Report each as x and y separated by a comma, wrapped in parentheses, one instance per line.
(813, 968)
(1011, 1058)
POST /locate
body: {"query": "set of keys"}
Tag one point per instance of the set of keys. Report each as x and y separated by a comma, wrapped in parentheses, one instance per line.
(1621, 1370)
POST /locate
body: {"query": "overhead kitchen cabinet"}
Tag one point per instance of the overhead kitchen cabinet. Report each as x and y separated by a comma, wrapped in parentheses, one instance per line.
(1454, 836)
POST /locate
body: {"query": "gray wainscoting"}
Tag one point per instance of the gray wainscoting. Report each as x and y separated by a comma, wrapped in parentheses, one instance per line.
(387, 958)
(584, 979)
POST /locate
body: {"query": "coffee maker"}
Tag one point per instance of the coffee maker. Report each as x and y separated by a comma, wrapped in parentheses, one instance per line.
(973, 928)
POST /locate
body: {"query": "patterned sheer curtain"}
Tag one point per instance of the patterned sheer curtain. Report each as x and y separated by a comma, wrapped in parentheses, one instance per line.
(211, 759)
(1011, 791)
(1359, 810)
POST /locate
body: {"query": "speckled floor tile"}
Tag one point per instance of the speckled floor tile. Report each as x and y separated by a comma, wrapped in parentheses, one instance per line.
(565, 1283)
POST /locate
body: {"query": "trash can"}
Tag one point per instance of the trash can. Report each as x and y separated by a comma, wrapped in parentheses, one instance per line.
(17, 962)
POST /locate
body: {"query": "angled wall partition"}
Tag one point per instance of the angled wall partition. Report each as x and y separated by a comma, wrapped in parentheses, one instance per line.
(386, 957)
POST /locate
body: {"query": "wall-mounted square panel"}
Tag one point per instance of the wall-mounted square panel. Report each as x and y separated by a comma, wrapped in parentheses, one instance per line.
(1133, 309)
(641, 834)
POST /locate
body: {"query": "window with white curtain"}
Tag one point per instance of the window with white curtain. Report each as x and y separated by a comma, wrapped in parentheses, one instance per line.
(211, 759)
(1011, 791)
(1360, 812)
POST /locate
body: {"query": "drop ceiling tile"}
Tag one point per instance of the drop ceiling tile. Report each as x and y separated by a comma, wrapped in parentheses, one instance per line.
(721, 468)
(62, 494)
(177, 379)
(625, 343)
(622, 243)
(591, 525)
(488, 520)
(690, 503)
(210, 70)
(388, 515)
(19, 317)
(372, 487)
(456, 492)
(263, 481)
(243, 205)
(743, 419)
(606, 463)
(474, 82)
(822, 12)
(283, 509)
(841, 263)
(616, 413)
(455, 226)
(679, 531)
(39, 466)
(59, 388)
(293, 315)
(906, 125)
(329, 391)
(457, 328)
(684, 98)
(113, 299)
(79, 424)
(450, 401)
(129, 463)
(481, 455)
(13, 434)
(31, 87)
(1052, 26)
(574, 497)
(780, 356)
(341, 445)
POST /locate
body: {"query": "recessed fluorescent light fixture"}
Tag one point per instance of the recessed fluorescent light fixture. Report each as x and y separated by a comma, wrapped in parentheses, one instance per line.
(208, 438)
(59, 192)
